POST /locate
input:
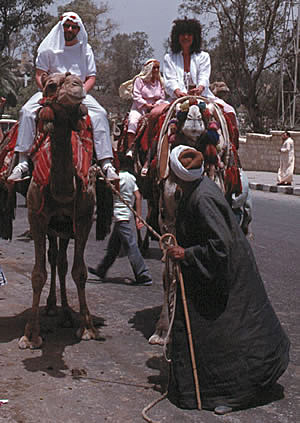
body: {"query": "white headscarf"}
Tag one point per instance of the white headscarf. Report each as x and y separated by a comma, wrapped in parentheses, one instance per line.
(126, 88)
(55, 40)
(187, 175)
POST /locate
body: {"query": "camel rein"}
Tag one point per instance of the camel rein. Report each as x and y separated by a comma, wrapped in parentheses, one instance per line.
(165, 241)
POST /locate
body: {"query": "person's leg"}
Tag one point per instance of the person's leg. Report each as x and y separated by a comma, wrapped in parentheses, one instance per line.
(26, 135)
(102, 140)
(138, 265)
(133, 119)
(113, 249)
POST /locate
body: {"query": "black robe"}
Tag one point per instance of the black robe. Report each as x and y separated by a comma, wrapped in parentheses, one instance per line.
(239, 344)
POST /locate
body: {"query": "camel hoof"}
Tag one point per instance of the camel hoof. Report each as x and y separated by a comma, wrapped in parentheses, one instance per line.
(24, 343)
(36, 344)
(156, 340)
(87, 334)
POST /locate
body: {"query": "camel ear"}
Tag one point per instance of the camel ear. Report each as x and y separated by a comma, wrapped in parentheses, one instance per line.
(44, 78)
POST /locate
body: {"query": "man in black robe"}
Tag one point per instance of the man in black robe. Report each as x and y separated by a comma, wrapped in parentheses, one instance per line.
(240, 347)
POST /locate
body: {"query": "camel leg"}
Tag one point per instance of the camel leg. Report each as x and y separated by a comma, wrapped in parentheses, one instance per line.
(87, 330)
(62, 268)
(51, 309)
(31, 338)
(162, 324)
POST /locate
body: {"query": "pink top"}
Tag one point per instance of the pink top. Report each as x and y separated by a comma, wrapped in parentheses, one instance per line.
(147, 92)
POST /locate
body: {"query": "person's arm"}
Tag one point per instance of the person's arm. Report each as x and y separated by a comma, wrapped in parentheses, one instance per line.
(140, 101)
(211, 253)
(203, 71)
(89, 83)
(172, 85)
(138, 207)
(287, 146)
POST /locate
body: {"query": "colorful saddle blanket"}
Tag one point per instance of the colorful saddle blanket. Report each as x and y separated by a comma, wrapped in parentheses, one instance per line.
(82, 146)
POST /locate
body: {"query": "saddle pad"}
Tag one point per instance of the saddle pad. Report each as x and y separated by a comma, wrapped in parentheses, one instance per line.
(82, 146)
(7, 149)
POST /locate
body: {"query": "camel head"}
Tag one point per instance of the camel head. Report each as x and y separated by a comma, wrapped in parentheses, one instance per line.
(52, 83)
(66, 88)
(193, 126)
(219, 89)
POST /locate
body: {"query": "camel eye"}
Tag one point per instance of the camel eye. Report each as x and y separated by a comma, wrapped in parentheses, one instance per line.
(52, 86)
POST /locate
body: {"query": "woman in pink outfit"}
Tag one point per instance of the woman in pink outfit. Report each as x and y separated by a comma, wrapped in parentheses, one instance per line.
(148, 96)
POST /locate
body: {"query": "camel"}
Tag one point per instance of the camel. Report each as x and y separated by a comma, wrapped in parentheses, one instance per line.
(63, 209)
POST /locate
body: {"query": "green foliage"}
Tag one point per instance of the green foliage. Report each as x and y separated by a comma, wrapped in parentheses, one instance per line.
(8, 80)
(124, 57)
(15, 15)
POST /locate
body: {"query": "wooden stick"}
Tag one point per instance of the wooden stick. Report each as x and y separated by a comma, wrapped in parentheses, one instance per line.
(189, 333)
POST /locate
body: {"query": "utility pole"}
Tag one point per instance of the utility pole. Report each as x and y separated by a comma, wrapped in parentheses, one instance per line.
(289, 84)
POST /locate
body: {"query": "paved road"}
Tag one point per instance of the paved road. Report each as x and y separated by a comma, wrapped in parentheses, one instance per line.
(123, 372)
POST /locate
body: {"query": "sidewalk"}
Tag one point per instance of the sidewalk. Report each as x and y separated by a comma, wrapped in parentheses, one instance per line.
(266, 181)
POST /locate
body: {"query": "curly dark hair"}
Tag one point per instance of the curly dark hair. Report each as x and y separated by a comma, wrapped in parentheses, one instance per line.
(186, 26)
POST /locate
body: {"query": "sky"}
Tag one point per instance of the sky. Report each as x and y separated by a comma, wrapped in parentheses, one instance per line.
(154, 17)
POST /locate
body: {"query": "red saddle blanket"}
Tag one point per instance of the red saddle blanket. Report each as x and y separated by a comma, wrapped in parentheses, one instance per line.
(82, 146)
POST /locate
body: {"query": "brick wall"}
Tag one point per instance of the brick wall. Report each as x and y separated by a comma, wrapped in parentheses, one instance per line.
(260, 152)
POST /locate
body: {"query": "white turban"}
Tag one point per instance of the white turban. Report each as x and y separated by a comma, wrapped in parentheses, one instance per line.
(55, 40)
(187, 175)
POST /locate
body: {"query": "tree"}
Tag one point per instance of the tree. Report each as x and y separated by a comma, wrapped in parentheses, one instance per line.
(8, 81)
(248, 43)
(15, 15)
(123, 58)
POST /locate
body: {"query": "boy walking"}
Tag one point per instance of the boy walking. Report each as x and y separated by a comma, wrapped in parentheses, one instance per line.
(122, 234)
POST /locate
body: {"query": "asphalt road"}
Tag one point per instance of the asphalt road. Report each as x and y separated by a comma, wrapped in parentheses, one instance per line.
(122, 373)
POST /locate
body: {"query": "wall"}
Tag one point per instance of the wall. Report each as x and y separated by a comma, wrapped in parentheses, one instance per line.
(260, 152)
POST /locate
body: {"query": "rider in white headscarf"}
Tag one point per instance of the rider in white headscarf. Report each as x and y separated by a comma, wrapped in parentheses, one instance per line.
(55, 40)
(126, 89)
(65, 49)
(148, 94)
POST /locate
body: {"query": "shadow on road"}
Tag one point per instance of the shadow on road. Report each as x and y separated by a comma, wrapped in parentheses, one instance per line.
(145, 320)
(55, 339)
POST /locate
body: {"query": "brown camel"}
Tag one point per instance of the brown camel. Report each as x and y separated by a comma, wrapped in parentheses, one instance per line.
(64, 210)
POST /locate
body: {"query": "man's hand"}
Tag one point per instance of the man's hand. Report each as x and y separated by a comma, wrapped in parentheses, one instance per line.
(176, 253)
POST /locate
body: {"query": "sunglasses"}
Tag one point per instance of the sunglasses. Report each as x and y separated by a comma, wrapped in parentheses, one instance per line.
(67, 26)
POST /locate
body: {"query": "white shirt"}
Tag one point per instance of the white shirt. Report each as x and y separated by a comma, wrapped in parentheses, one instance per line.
(173, 72)
(71, 59)
(127, 188)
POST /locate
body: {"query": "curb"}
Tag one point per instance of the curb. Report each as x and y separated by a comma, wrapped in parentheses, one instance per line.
(274, 188)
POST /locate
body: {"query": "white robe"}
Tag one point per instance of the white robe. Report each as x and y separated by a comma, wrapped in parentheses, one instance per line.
(173, 72)
(287, 162)
(200, 68)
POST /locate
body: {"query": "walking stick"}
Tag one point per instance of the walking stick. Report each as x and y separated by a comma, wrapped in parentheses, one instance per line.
(188, 325)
